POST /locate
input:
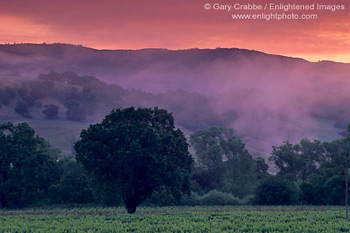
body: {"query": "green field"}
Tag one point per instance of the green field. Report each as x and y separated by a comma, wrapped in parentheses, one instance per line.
(178, 219)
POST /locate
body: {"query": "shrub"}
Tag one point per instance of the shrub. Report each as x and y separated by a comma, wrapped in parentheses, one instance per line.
(213, 197)
(162, 197)
(276, 191)
(218, 198)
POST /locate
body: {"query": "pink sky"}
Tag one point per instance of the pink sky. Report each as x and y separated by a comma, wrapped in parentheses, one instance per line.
(176, 24)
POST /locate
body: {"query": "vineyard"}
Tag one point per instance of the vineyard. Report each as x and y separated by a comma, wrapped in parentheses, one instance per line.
(178, 219)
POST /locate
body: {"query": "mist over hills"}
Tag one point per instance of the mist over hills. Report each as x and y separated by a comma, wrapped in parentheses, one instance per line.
(266, 98)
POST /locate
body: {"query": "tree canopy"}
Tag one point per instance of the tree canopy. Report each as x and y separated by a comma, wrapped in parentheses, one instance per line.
(299, 160)
(224, 163)
(139, 151)
(51, 111)
(27, 165)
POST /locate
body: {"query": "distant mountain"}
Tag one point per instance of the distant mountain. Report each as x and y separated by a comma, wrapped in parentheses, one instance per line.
(266, 98)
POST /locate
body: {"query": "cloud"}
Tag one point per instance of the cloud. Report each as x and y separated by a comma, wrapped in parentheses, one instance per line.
(180, 24)
(16, 29)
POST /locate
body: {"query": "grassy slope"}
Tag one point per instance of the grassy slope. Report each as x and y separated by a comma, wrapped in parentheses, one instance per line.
(60, 133)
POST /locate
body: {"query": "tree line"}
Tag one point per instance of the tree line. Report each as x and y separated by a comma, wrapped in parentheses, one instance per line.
(137, 156)
(85, 98)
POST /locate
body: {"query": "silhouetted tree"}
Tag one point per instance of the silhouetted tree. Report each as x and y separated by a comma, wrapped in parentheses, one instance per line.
(223, 163)
(27, 166)
(22, 109)
(51, 111)
(275, 190)
(75, 184)
(138, 151)
(298, 161)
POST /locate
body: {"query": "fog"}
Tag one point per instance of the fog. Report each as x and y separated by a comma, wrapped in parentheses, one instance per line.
(267, 99)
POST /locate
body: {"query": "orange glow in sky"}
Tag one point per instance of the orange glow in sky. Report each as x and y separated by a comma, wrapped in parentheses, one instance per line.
(178, 24)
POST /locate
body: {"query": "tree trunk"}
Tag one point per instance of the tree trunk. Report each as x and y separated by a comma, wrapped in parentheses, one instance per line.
(131, 209)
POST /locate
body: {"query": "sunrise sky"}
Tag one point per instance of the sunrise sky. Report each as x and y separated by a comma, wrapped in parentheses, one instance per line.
(177, 24)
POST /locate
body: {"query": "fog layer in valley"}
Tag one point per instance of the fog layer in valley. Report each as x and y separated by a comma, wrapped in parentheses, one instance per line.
(267, 99)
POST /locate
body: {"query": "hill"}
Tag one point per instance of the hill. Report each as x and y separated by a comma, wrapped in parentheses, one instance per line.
(266, 98)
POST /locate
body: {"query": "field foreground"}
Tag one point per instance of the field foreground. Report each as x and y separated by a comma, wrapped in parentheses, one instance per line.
(178, 219)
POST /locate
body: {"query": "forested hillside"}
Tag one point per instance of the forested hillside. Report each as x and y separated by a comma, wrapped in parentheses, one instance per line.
(266, 98)
(67, 103)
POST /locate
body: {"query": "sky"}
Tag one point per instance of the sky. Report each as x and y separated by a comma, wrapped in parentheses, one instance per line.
(182, 24)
